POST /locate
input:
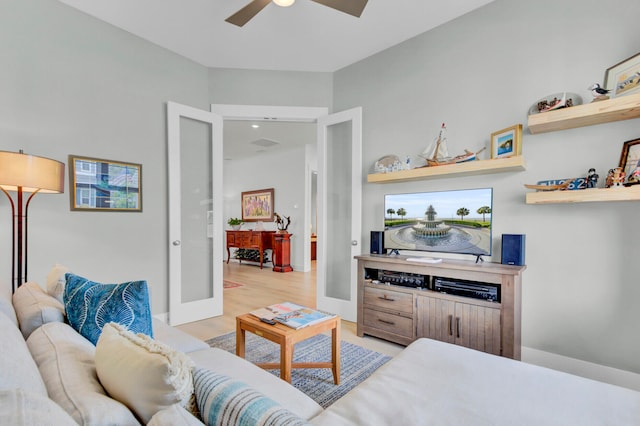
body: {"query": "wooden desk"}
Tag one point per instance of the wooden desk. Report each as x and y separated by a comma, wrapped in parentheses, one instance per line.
(253, 240)
(287, 337)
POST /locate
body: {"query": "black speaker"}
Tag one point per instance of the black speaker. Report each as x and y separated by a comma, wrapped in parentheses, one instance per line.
(513, 249)
(377, 243)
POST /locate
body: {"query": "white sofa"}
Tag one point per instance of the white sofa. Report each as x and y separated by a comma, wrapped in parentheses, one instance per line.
(427, 383)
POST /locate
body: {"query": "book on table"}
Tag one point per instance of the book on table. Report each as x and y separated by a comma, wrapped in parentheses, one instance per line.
(292, 315)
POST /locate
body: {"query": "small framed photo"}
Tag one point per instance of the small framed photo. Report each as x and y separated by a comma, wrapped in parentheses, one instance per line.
(507, 142)
(630, 161)
(623, 78)
(104, 185)
(257, 206)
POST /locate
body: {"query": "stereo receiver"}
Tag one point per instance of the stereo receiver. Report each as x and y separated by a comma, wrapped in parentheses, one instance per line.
(474, 289)
(405, 279)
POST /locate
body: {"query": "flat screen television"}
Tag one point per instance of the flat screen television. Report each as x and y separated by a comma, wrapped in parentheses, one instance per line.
(456, 221)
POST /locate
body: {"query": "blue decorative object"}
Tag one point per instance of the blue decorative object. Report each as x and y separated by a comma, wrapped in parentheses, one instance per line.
(224, 401)
(90, 305)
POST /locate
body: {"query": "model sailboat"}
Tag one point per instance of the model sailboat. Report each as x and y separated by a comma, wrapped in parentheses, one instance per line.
(437, 153)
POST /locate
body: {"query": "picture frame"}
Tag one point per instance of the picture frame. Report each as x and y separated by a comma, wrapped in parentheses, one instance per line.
(257, 206)
(630, 160)
(104, 185)
(623, 78)
(507, 142)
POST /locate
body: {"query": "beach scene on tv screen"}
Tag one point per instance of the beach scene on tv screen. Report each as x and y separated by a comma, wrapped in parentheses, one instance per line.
(446, 221)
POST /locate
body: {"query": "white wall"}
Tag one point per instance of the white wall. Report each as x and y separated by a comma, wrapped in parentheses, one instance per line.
(285, 173)
(481, 73)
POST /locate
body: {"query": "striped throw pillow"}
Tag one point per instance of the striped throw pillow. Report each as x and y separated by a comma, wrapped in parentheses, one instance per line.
(223, 401)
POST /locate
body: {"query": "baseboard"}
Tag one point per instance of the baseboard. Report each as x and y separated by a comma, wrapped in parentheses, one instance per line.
(578, 367)
(164, 317)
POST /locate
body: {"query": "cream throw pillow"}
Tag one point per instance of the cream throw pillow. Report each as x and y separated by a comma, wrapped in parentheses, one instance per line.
(56, 281)
(145, 375)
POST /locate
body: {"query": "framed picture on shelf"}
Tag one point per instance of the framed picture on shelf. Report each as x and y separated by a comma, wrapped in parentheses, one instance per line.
(104, 185)
(623, 78)
(507, 142)
(257, 205)
(630, 161)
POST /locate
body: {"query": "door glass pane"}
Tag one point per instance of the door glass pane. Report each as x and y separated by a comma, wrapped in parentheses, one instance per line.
(338, 261)
(196, 193)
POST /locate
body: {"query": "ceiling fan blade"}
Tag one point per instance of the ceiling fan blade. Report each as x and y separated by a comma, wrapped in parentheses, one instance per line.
(245, 14)
(352, 7)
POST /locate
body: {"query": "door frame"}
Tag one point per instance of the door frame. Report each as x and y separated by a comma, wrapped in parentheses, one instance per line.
(273, 113)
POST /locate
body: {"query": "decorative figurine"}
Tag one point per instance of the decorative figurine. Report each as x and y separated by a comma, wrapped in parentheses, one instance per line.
(281, 223)
(599, 94)
(617, 178)
(609, 182)
(592, 178)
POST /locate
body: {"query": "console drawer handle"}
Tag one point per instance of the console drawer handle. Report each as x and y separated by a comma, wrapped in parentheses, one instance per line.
(458, 327)
(450, 325)
(386, 298)
(386, 322)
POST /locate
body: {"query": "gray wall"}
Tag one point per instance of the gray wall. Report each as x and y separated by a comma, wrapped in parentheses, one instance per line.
(481, 73)
(71, 84)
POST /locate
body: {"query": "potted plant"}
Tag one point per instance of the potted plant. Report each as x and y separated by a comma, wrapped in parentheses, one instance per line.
(235, 223)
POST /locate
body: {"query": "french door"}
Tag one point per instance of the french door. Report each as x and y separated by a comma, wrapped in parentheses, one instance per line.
(339, 211)
(195, 213)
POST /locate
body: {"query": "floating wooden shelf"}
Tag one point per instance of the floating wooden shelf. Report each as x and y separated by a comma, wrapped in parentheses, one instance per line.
(511, 164)
(631, 193)
(607, 111)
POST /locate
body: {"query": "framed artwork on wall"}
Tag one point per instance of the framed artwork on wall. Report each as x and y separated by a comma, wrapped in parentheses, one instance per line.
(257, 206)
(623, 78)
(507, 142)
(630, 161)
(104, 185)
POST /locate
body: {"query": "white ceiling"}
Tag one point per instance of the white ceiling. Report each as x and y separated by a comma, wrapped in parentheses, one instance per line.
(306, 36)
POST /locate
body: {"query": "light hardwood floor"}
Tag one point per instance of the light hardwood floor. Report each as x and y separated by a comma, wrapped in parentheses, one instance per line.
(263, 287)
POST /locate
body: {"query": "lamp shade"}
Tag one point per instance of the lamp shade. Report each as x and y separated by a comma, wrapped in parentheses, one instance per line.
(31, 173)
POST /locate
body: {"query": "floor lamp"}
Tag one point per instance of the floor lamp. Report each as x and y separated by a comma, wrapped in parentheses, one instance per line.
(23, 173)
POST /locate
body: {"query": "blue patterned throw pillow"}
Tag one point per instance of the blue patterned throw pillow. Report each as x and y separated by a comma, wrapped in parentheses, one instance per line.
(90, 305)
(223, 401)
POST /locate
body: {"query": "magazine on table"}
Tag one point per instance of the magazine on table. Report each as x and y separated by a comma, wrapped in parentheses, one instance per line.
(292, 315)
(270, 312)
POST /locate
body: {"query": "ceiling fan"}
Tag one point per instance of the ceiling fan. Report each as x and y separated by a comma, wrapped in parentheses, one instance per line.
(244, 15)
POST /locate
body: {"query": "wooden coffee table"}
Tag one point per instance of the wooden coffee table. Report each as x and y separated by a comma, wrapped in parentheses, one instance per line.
(286, 337)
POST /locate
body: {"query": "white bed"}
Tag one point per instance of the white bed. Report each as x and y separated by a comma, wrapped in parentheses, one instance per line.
(435, 383)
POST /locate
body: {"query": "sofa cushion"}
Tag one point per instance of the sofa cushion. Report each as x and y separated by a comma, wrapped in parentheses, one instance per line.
(66, 363)
(56, 281)
(18, 407)
(34, 307)
(17, 368)
(142, 373)
(174, 415)
(223, 401)
(283, 393)
(175, 338)
(91, 305)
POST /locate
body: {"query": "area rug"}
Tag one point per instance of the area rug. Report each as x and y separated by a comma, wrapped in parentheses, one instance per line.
(231, 284)
(356, 363)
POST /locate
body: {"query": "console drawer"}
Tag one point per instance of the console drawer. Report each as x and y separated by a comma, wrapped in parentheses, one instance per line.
(389, 299)
(395, 324)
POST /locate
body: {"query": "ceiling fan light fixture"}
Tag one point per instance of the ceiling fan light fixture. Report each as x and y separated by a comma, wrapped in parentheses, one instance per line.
(284, 3)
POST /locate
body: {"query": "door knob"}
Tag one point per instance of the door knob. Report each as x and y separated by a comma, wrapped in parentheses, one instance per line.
(354, 242)
(176, 243)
